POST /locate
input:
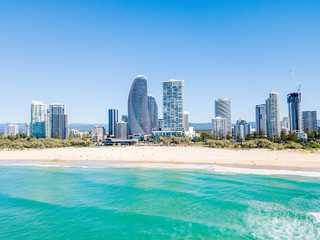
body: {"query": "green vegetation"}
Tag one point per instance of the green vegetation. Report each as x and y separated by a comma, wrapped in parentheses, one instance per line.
(22, 142)
(173, 140)
(253, 141)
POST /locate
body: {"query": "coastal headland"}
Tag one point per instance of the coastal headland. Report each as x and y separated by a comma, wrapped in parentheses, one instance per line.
(262, 158)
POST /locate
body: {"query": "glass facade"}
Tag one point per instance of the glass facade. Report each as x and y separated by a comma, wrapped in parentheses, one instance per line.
(113, 119)
(309, 121)
(273, 115)
(241, 129)
(219, 129)
(223, 109)
(153, 112)
(294, 104)
(261, 119)
(58, 120)
(173, 105)
(39, 120)
(138, 114)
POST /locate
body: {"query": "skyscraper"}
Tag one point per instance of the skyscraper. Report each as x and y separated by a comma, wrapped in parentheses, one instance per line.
(11, 130)
(285, 125)
(113, 119)
(122, 132)
(223, 109)
(124, 118)
(241, 129)
(138, 115)
(294, 104)
(98, 133)
(273, 115)
(27, 129)
(309, 121)
(173, 105)
(39, 120)
(161, 124)
(261, 119)
(153, 112)
(58, 120)
(186, 121)
(219, 129)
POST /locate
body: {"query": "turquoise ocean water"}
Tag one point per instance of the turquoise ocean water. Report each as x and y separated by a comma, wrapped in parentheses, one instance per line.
(54, 202)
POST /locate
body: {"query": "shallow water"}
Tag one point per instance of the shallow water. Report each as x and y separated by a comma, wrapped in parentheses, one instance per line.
(131, 203)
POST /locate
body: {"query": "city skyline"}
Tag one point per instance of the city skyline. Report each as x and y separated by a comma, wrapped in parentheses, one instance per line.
(220, 49)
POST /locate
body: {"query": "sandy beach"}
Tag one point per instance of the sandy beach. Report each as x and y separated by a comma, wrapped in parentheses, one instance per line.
(263, 158)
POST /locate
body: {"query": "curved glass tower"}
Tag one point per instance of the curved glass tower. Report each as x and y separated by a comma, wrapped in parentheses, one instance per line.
(138, 114)
(223, 109)
(153, 112)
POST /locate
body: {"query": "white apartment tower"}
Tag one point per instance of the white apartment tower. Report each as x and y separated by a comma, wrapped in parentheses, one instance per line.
(173, 105)
(219, 128)
(273, 115)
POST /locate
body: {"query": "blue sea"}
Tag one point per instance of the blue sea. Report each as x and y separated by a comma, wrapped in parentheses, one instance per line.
(157, 202)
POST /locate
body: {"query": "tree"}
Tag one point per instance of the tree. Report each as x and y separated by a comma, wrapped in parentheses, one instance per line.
(196, 139)
(262, 133)
(240, 139)
(292, 137)
(57, 136)
(255, 135)
(205, 135)
(70, 136)
(283, 136)
(248, 136)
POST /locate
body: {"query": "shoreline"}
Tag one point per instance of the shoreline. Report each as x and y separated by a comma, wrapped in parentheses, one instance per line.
(195, 155)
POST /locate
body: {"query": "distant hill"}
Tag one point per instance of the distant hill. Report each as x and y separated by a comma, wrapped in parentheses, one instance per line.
(85, 127)
(200, 126)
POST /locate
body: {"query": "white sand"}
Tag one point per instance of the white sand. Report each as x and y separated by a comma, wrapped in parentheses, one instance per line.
(162, 154)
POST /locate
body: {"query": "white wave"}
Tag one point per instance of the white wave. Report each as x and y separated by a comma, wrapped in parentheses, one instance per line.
(186, 167)
(316, 215)
(267, 220)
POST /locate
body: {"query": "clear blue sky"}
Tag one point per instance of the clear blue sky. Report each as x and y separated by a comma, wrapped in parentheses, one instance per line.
(87, 53)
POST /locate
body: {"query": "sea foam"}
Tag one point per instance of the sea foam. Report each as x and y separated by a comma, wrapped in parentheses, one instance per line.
(169, 166)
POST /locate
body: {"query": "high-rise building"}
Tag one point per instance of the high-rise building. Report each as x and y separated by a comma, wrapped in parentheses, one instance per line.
(75, 133)
(186, 121)
(223, 110)
(124, 118)
(98, 133)
(161, 124)
(58, 120)
(273, 115)
(39, 120)
(294, 103)
(173, 105)
(113, 119)
(219, 128)
(261, 119)
(309, 121)
(27, 129)
(138, 115)
(11, 130)
(153, 112)
(241, 129)
(285, 125)
(122, 132)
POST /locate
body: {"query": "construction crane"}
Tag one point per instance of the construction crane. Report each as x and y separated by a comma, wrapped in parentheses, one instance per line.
(294, 79)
